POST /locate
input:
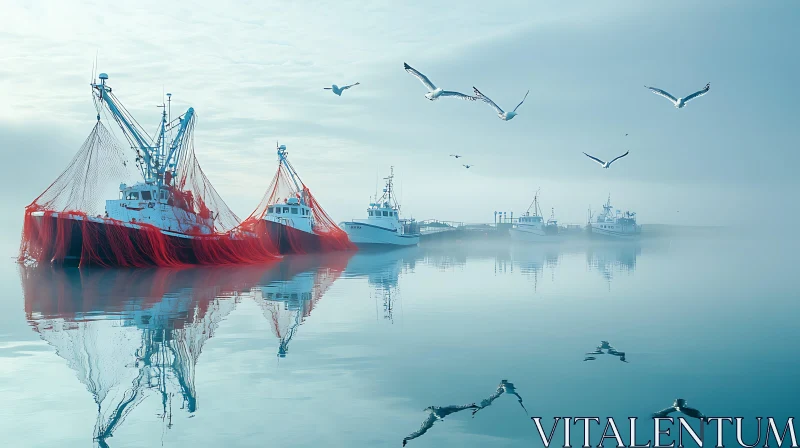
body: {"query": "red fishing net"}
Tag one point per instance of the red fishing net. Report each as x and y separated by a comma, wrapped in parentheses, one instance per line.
(100, 212)
(290, 230)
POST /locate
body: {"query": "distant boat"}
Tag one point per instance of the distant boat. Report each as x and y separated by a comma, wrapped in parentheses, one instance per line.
(533, 227)
(383, 225)
(614, 224)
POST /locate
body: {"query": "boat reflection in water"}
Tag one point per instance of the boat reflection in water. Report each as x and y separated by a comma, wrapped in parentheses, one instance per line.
(288, 293)
(383, 268)
(616, 257)
(130, 334)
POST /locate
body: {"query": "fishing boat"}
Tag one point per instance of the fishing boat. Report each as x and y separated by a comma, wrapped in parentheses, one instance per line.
(383, 225)
(533, 227)
(165, 218)
(614, 224)
(291, 219)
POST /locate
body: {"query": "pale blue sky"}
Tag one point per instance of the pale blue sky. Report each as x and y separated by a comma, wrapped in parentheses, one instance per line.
(254, 72)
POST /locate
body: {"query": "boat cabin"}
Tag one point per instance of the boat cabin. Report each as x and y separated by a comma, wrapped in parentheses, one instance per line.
(291, 212)
(530, 220)
(383, 215)
(162, 206)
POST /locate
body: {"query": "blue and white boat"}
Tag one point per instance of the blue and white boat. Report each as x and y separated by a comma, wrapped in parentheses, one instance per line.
(533, 228)
(383, 226)
(615, 224)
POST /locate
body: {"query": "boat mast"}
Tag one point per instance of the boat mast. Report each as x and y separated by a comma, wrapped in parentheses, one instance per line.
(534, 204)
(284, 160)
(154, 157)
(388, 190)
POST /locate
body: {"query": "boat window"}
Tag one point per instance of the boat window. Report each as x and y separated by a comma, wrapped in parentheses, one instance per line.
(370, 212)
(269, 210)
(294, 210)
(385, 213)
(286, 210)
(146, 196)
(163, 195)
(133, 195)
(391, 213)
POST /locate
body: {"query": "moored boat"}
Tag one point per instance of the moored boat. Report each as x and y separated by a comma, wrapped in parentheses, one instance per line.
(170, 215)
(383, 225)
(614, 224)
(290, 219)
(533, 228)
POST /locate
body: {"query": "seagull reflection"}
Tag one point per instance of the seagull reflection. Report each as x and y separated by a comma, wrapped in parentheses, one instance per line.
(609, 349)
(680, 406)
(436, 413)
(503, 387)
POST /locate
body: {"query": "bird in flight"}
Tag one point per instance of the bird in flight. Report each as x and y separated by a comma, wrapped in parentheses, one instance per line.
(505, 116)
(433, 91)
(681, 102)
(338, 90)
(467, 166)
(456, 155)
(606, 164)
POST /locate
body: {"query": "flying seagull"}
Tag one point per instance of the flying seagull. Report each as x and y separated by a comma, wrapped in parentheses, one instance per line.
(505, 116)
(606, 164)
(433, 91)
(455, 155)
(680, 102)
(436, 413)
(467, 166)
(338, 90)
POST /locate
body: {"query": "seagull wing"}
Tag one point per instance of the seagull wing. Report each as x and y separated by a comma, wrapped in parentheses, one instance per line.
(698, 93)
(457, 95)
(426, 425)
(427, 82)
(595, 159)
(351, 85)
(523, 100)
(328, 88)
(618, 157)
(487, 100)
(663, 93)
(664, 412)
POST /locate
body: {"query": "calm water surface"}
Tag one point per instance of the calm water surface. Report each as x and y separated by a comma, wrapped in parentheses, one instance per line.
(348, 350)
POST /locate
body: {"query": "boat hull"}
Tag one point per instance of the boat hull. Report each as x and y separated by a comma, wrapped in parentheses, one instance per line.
(362, 234)
(61, 242)
(532, 236)
(289, 240)
(625, 234)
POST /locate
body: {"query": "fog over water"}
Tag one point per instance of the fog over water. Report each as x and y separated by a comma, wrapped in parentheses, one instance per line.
(374, 348)
(371, 339)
